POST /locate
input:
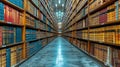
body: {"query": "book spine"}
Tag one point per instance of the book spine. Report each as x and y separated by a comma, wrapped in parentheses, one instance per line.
(1, 11)
(1, 36)
(8, 57)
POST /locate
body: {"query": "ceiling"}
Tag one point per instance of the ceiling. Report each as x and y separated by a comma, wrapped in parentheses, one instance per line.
(58, 7)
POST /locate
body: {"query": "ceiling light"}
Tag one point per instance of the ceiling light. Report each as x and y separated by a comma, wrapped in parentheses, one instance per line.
(59, 1)
(56, 5)
(62, 5)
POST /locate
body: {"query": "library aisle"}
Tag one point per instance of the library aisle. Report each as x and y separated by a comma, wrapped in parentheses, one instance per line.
(60, 53)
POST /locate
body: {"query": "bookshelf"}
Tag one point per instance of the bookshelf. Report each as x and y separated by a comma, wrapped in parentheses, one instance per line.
(95, 30)
(23, 30)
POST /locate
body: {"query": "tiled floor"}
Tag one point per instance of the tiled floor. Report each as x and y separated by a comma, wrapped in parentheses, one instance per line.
(60, 53)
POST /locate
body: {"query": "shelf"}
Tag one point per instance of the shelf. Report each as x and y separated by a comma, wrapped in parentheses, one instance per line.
(34, 5)
(3, 23)
(11, 45)
(32, 15)
(102, 6)
(117, 46)
(106, 24)
(98, 26)
(77, 29)
(47, 24)
(12, 5)
(46, 31)
(99, 60)
(30, 27)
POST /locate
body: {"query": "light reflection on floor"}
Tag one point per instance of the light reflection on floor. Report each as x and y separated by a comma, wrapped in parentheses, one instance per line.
(59, 59)
(60, 53)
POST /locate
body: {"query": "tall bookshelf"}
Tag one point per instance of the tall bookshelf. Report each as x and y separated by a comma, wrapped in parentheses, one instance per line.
(24, 29)
(95, 30)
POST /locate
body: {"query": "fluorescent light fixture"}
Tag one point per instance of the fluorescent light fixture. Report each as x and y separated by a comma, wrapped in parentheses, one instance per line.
(56, 5)
(59, 1)
(62, 5)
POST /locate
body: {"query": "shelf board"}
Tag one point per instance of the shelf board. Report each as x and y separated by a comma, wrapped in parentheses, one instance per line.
(3, 23)
(12, 5)
(32, 40)
(11, 45)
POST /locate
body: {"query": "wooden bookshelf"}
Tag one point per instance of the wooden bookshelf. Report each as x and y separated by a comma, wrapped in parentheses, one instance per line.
(24, 43)
(97, 31)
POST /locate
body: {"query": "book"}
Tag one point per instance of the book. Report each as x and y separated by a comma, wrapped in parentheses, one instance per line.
(18, 3)
(3, 58)
(13, 56)
(115, 57)
(1, 11)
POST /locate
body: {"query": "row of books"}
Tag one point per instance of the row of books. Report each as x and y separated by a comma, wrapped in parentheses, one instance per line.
(108, 55)
(10, 15)
(108, 34)
(33, 34)
(30, 34)
(30, 21)
(10, 56)
(44, 42)
(18, 3)
(33, 10)
(1, 11)
(10, 35)
(33, 47)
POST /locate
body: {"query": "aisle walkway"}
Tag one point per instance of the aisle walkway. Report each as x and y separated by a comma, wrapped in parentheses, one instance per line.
(60, 53)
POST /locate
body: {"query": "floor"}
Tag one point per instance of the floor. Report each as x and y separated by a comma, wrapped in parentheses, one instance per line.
(60, 53)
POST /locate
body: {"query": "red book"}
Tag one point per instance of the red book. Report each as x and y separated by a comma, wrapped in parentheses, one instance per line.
(6, 13)
(15, 17)
(1, 36)
(10, 15)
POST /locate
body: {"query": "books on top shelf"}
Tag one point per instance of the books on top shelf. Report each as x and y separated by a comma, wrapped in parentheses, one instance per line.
(18, 3)
(10, 15)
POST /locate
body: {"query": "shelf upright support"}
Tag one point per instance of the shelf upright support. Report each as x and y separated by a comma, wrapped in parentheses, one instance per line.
(24, 30)
(89, 26)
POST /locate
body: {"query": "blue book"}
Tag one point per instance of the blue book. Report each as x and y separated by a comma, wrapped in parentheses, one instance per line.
(8, 57)
(117, 10)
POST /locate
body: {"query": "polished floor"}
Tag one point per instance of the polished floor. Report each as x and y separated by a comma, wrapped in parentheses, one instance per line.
(60, 53)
